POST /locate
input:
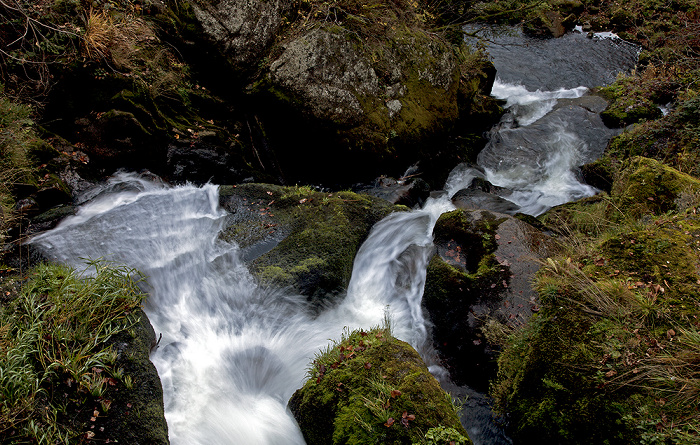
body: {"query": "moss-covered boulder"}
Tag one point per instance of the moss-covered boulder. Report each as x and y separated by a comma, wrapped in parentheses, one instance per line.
(649, 186)
(299, 237)
(481, 275)
(365, 84)
(136, 411)
(371, 388)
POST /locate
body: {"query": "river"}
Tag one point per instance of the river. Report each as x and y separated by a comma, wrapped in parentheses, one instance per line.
(232, 352)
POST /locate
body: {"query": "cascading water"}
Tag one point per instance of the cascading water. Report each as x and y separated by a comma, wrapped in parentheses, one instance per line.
(232, 353)
(551, 125)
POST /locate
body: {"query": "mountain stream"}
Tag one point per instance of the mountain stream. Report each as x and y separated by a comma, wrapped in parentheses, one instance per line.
(232, 352)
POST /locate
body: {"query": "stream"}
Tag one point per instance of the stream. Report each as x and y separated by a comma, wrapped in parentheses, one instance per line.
(232, 352)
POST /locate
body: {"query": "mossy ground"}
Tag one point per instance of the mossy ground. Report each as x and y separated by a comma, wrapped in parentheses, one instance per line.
(372, 388)
(618, 321)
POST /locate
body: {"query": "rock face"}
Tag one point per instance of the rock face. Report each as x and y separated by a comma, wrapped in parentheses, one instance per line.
(373, 388)
(242, 30)
(482, 271)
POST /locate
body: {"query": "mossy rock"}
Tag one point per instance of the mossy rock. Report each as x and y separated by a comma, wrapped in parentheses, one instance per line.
(371, 388)
(371, 94)
(299, 237)
(136, 413)
(621, 113)
(482, 271)
(649, 186)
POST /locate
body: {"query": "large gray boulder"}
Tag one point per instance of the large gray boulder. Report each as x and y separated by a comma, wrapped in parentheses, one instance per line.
(241, 29)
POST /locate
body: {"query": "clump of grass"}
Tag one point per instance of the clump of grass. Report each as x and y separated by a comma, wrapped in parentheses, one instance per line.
(16, 140)
(53, 357)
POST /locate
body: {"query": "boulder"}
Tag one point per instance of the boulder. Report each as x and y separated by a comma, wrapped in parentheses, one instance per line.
(368, 97)
(299, 237)
(482, 271)
(241, 30)
(373, 388)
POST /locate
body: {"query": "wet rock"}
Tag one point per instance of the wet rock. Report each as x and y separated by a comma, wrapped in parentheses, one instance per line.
(524, 151)
(410, 193)
(484, 265)
(301, 238)
(477, 199)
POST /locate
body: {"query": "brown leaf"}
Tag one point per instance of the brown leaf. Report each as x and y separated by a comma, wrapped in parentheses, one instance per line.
(389, 422)
(411, 417)
(610, 373)
(368, 365)
(395, 393)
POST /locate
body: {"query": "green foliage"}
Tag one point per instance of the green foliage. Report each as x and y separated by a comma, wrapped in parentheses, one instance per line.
(17, 139)
(441, 435)
(53, 358)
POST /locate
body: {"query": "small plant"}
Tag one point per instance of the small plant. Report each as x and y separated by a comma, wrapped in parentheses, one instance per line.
(441, 435)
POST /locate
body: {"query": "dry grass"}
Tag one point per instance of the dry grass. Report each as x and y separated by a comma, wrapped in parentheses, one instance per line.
(114, 40)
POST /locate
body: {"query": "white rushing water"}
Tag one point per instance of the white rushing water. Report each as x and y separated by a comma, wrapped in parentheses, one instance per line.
(232, 352)
(533, 153)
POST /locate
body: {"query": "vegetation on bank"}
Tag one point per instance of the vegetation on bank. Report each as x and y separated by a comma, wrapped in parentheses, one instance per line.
(62, 379)
(615, 342)
(371, 388)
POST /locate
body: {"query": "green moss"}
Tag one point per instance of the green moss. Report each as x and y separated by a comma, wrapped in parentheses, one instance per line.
(316, 235)
(371, 388)
(646, 185)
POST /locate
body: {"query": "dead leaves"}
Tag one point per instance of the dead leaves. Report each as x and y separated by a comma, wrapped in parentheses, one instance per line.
(405, 419)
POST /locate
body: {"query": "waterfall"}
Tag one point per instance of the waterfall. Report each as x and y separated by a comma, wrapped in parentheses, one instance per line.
(232, 352)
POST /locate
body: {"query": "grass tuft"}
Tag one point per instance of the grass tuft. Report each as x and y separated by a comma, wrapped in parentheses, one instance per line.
(53, 357)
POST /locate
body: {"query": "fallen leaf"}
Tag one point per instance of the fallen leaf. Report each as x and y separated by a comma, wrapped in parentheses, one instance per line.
(389, 422)
(395, 393)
